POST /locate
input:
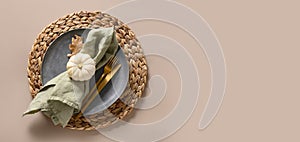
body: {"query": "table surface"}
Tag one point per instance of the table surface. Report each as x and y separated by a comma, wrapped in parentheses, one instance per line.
(260, 40)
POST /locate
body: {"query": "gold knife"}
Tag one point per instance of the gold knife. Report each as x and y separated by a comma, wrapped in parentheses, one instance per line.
(100, 87)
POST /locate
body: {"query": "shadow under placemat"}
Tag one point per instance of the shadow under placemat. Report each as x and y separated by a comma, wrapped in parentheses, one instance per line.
(43, 129)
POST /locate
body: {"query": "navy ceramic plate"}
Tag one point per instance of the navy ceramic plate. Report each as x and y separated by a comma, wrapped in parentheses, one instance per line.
(55, 61)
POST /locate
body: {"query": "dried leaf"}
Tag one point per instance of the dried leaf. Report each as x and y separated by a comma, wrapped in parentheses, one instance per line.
(76, 45)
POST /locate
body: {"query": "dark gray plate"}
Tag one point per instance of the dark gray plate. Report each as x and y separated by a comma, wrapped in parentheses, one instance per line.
(55, 61)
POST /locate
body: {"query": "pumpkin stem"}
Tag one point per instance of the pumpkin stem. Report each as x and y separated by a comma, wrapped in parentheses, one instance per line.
(80, 66)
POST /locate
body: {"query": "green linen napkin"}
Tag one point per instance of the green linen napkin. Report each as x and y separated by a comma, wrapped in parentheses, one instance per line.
(61, 97)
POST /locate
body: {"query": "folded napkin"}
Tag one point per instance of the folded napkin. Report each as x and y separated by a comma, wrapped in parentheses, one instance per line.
(61, 97)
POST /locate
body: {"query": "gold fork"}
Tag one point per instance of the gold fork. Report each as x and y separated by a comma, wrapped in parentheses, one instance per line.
(107, 69)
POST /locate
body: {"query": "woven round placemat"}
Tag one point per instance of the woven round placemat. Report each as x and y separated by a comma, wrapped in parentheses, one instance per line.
(128, 43)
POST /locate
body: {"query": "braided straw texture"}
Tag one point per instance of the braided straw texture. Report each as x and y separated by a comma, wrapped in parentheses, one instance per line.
(130, 46)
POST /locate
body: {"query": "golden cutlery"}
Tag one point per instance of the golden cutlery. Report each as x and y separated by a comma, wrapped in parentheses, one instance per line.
(107, 69)
(99, 88)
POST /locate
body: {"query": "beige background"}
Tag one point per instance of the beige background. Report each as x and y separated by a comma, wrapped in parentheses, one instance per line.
(261, 47)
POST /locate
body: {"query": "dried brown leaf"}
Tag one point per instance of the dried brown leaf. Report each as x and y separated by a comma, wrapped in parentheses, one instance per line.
(76, 45)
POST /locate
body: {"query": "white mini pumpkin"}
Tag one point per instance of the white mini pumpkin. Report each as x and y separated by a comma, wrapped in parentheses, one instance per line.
(81, 67)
